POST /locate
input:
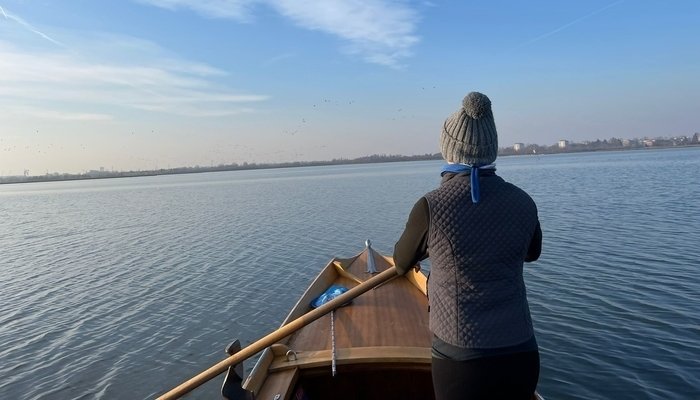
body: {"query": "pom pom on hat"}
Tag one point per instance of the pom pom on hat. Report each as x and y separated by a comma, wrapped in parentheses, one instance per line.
(476, 104)
(469, 135)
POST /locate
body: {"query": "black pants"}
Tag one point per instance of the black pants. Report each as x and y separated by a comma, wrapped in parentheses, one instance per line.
(510, 376)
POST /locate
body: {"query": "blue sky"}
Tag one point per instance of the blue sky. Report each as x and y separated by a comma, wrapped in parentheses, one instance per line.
(148, 84)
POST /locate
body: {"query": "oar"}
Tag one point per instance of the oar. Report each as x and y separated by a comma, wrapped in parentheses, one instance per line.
(278, 335)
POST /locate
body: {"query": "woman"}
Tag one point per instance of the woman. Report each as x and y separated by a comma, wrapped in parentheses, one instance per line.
(477, 230)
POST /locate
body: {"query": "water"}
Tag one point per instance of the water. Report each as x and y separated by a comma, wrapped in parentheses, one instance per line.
(122, 288)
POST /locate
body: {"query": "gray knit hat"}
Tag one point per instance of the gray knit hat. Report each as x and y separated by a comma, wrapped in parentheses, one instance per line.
(469, 135)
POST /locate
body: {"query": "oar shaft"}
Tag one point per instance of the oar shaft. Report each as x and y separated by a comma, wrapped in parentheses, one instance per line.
(277, 335)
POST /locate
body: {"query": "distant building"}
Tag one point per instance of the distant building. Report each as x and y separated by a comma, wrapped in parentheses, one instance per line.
(648, 142)
(696, 137)
(518, 146)
(563, 144)
(97, 173)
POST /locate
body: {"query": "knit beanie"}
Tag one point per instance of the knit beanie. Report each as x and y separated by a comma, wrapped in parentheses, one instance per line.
(469, 135)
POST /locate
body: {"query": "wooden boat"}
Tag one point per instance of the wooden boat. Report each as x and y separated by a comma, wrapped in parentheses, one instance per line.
(382, 341)
(377, 346)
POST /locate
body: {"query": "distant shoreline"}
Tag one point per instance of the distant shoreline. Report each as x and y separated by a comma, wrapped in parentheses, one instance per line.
(527, 151)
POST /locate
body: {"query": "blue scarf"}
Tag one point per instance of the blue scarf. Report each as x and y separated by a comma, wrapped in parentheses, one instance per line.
(473, 170)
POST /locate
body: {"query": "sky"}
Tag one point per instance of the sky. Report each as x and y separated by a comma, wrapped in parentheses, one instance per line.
(147, 84)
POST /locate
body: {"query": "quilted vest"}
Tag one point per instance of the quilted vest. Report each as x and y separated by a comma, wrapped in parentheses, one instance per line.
(476, 288)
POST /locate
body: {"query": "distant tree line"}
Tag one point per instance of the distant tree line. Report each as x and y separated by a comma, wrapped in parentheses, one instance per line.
(518, 149)
(375, 158)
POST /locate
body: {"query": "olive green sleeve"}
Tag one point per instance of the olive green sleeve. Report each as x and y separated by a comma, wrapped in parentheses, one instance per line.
(412, 246)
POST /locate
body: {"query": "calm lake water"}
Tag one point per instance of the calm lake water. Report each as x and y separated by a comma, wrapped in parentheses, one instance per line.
(123, 288)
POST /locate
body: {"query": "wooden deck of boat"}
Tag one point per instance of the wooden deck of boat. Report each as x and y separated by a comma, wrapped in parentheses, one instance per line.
(394, 314)
(382, 341)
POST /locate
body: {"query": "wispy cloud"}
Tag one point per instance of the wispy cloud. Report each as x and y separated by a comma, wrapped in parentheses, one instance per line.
(10, 17)
(67, 85)
(378, 31)
(567, 25)
(278, 59)
(232, 9)
(41, 113)
(85, 74)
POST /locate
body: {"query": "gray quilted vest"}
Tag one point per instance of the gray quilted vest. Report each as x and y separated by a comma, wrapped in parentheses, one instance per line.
(476, 288)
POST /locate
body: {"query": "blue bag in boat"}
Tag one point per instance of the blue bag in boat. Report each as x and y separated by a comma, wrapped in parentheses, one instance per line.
(331, 293)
